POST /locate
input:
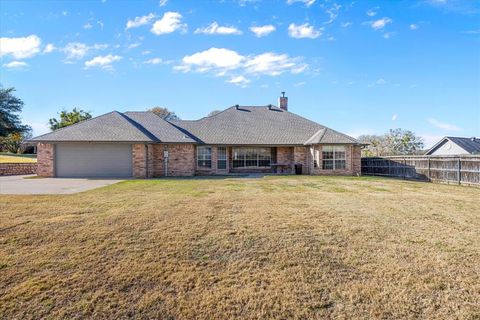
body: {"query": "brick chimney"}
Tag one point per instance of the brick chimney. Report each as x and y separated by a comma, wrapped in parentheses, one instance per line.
(283, 102)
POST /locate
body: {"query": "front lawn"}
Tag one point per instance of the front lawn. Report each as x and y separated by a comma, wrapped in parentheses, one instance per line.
(17, 158)
(280, 247)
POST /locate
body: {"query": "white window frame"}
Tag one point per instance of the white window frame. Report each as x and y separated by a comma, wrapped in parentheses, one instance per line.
(223, 157)
(266, 155)
(202, 156)
(335, 150)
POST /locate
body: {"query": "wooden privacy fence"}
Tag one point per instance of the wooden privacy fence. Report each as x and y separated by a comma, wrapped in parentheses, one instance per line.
(447, 169)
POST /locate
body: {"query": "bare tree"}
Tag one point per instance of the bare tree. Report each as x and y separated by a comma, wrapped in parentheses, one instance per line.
(164, 113)
(214, 112)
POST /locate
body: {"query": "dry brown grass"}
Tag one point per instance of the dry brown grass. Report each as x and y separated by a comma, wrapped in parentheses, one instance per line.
(280, 247)
(17, 158)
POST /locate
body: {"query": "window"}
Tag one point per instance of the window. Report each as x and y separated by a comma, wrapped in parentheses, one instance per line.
(333, 157)
(204, 157)
(222, 158)
(252, 157)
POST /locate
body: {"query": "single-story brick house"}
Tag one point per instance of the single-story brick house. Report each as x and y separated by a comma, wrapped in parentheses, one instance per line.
(239, 139)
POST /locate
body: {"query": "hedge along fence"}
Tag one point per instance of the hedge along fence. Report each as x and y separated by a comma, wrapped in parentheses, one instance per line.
(447, 169)
(10, 169)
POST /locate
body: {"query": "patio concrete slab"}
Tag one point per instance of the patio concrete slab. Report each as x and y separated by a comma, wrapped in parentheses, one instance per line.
(28, 185)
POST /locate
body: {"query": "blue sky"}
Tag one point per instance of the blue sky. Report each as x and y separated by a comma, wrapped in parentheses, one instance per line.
(361, 67)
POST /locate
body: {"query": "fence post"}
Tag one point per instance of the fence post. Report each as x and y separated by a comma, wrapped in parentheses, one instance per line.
(459, 171)
(429, 174)
(404, 168)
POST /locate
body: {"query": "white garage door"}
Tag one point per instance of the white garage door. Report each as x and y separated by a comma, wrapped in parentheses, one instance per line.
(93, 160)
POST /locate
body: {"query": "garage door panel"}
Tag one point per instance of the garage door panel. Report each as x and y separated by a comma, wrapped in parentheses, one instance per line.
(93, 160)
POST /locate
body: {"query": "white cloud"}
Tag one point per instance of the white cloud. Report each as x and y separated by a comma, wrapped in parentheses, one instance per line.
(299, 84)
(134, 45)
(380, 23)
(78, 50)
(345, 24)
(139, 21)
(154, 61)
(75, 50)
(332, 13)
(211, 59)
(307, 3)
(101, 24)
(394, 117)
(263, 31)
(162, 3)
(371, 12)
(87, 25)
(379, 82)
(49, 48)
(170, 22)
(214, 28)
(239, 81)
(20, 48)
(388, 35)
(223, 62)
(15, 65)
(104, 62)
(145, 52)
(303, 31)
(273, 64)
(414, 26)
(443, 125)
(472, 32)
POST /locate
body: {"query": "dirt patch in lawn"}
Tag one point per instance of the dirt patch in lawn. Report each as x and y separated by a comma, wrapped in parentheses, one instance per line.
(279, 247)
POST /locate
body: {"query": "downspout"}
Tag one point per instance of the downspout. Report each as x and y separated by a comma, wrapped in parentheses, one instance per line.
(165, 160)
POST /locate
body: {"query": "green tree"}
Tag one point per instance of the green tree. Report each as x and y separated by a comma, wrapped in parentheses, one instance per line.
(10, 107)
(395, 142)
(164, 113)
(376, 145)
(67, 118)
(15, 142)
(403, 142)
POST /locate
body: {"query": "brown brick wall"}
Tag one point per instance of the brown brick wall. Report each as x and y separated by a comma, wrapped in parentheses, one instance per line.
(285, 155)
(352, 162)
(139, 158)
(300, 156)
(357, 160)
(181, 160)
(45, 159)
(10, 169)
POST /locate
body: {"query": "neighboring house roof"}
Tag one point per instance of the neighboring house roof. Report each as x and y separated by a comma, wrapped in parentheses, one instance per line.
(470, 145)
(243, 125)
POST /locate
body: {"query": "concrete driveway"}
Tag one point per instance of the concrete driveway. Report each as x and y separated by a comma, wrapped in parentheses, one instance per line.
(20, 185)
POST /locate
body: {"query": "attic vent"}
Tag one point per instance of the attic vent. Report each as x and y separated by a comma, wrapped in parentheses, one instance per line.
(185, 137)
(237, 106)
(474, 139)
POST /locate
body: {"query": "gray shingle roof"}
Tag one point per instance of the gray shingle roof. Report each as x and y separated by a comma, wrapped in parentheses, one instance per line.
(112, 126)
(244, 125)
(161, 130)
(249, 125)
